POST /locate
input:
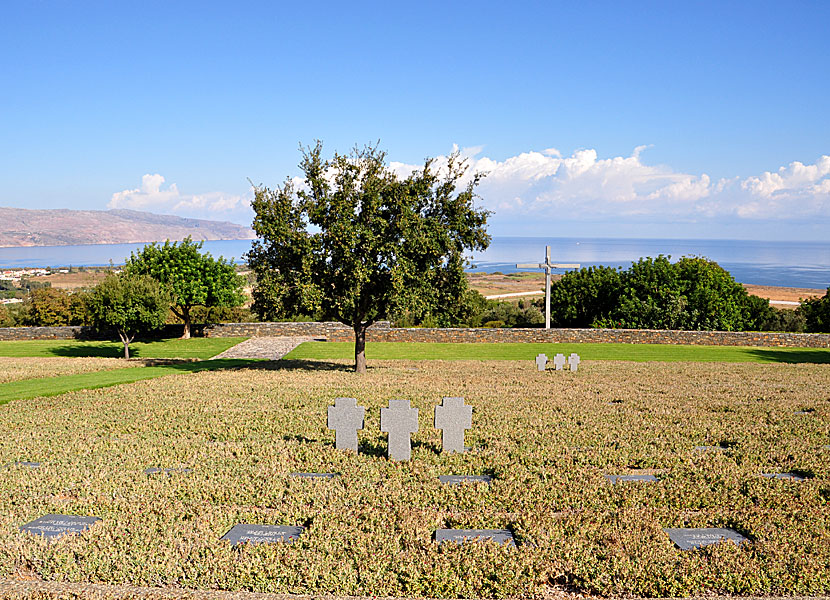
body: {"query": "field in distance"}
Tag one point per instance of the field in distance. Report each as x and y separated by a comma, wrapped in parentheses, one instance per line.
(547, 439)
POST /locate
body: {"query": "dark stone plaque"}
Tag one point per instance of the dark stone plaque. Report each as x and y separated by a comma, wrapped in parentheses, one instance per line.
(792, 476)
(313, 475)
(463, 536)
(262, 534)
(52, 526)
(689, 539)
(622, 478)
(456, 479)
(168, 472)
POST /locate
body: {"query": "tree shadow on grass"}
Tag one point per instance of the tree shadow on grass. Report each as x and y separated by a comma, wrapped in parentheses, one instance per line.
(813, 356)
(98, 350)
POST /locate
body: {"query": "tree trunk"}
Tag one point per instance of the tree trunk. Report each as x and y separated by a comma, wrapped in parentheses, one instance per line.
(186, 319)
(125, 339)
(360, 348)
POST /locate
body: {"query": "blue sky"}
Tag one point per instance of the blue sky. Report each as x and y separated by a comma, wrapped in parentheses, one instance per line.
(632, 119)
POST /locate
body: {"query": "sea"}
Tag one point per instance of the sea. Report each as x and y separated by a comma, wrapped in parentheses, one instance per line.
(789, 264)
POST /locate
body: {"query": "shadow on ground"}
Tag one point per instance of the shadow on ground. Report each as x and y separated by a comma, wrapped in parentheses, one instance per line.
(817, 356)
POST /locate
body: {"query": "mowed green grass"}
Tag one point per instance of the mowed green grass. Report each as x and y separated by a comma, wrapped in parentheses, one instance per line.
(548, 439)
(528, 351)
(53, 386)
(169, 348)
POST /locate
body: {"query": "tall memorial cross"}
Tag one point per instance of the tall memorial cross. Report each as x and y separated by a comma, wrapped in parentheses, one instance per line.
(452, 418)
(345, 417)
(399, 421)
(547, 266)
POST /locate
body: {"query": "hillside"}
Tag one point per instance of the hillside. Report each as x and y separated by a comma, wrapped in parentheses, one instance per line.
(24, 227)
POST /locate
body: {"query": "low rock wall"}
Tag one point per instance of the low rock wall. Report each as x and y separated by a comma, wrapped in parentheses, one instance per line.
(382, 332)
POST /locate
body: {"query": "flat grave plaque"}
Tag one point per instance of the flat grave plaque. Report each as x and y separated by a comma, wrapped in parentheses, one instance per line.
(23, 463)
(457, 479)
(690, 539)
(53, 525)
(614, 479)
(169, 472)
(313, 475)
(708, 448)
(463, 536)
(791, 476)
(247, 533)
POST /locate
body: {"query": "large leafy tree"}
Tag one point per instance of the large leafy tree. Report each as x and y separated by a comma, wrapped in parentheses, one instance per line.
(355, 243)
(190, 277)
(130, 304)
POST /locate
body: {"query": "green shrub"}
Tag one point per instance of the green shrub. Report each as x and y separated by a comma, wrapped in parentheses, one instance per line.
(816, 313)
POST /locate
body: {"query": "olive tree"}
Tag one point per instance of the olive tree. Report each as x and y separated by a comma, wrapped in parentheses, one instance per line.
(355, 243)
(129, 304)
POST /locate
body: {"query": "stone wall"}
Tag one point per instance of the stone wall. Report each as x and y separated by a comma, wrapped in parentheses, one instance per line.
(382, 332)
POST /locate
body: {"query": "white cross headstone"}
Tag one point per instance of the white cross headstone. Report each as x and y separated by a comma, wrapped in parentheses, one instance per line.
(559, 362)
(399, 421)
(541, 362)
(547, 266)
(573, 361)
(452, 418)
(345, 417)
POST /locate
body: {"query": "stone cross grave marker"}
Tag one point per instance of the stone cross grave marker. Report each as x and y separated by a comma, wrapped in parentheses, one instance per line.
(541, 362)
(547, 266)
(464, 536)
(573, 361)
(453, 417)
(399, 420)
(246, 533)
(345, 417)
(614, 479)
(53, 525)
(689, 539)
(458, 479)
(559, 362)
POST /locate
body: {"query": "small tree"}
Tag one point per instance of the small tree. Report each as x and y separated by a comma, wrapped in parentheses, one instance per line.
(356, 244)
(816, 312)
(190, 277)
(130, 304)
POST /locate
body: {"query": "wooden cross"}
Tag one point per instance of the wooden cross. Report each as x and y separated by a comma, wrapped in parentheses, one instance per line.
(547, 266)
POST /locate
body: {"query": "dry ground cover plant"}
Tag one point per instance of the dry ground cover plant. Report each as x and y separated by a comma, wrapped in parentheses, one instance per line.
(16, 369)
(548, 439)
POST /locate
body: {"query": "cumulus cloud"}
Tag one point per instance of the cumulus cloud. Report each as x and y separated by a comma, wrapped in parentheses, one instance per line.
(152, 196)
(585, 185)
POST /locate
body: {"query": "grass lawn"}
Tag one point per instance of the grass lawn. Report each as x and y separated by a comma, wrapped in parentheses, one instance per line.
(169, 348)
(53, 386)
(525, 351)
(548, 440)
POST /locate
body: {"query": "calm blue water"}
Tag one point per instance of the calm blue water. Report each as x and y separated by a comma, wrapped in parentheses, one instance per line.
(794, 264)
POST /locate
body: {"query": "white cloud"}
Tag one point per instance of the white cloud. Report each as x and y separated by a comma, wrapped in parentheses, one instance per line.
(152, 197)
(587, 186)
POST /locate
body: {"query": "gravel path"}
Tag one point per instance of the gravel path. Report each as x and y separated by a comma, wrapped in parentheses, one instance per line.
(271, 348)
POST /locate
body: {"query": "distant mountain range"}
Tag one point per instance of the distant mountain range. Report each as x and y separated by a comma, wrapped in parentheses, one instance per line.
(60, 227)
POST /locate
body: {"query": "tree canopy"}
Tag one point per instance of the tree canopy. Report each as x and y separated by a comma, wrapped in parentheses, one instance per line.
(130, 304)
(190, 277)
(355, 243)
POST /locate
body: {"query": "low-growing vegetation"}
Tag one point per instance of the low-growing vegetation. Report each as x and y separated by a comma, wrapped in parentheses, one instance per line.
(548, 439)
